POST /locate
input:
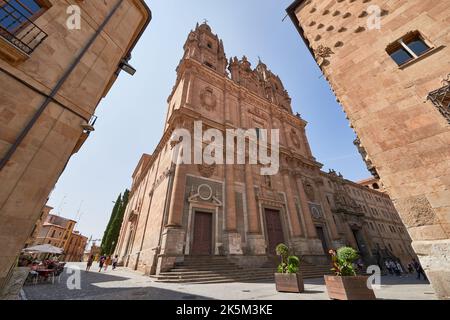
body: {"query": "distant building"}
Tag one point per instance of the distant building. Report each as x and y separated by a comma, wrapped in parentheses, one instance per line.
(38, 226)
(368, 221)
(75, 248)
(93, 251)
(56, 231)
(59, 232)
(53, 74)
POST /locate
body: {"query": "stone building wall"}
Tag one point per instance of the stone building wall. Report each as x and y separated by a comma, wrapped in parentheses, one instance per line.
(371, 213)
(53, 132)
(402, 128)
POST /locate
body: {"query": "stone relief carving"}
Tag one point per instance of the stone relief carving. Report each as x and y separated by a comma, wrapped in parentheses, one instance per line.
(309, 190)
(295, 139)
(205, 192)
(316, 211)
(322, 53)
(206, 170)
(208, 99)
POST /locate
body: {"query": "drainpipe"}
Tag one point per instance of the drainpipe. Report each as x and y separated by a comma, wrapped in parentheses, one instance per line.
(55, 90)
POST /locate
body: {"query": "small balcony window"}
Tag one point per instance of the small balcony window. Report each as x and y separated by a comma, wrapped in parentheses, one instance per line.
(408, 48)
(441, 98)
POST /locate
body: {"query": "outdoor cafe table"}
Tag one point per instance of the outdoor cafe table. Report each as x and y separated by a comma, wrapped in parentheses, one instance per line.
(45, 273)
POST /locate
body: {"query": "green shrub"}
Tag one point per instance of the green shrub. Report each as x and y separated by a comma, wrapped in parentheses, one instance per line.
(289, 263)
(342, 260)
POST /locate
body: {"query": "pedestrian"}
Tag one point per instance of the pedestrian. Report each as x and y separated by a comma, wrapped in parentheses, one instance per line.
(399, 268)
(114, 261)
(107, 262)
(419, 269)
(393, 267)
(101, 262)
(89, 262)
(410, 268)
(388, 266)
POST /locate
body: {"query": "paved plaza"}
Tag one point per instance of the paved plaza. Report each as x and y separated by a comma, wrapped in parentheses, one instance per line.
(123, 284)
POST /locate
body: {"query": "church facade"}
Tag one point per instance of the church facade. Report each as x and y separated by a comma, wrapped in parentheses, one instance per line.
(177, 209)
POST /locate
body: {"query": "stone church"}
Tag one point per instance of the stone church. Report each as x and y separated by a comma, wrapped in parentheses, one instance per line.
(177, 211)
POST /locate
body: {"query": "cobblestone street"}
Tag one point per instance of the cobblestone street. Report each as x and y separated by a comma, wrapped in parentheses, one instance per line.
(123, 284)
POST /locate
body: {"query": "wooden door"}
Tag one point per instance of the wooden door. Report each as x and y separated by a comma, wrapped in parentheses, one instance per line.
(274, 230)
(321, 235)
(202, 240)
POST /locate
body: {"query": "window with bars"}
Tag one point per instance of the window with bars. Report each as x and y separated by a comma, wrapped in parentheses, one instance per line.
(410, 47)
(16, 23)
(441, 98)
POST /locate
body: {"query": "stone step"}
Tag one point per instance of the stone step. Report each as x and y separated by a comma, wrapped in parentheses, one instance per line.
(214, 279)
(223, 279)
(174, 271)
(205, 267)
(212, 274)
(202, 264)
(219, 269)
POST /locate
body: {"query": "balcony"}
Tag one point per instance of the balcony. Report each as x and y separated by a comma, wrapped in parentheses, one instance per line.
(19, 36)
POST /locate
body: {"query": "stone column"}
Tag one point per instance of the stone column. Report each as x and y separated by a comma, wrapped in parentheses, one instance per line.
(329, 217)
(310, 227)
(230, 198)
(296, 228)
(233, 237)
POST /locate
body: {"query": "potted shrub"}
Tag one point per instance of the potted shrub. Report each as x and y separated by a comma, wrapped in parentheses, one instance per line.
(345, 284)
(288, 278)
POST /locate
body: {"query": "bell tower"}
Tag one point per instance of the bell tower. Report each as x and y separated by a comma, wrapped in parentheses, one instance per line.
(205, 47)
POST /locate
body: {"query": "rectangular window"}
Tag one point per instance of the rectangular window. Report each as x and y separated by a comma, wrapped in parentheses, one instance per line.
(408, 48)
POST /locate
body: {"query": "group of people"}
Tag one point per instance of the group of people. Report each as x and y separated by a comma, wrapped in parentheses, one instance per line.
(394, 267)
(103, 262)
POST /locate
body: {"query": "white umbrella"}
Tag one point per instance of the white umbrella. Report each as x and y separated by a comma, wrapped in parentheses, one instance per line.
(44, 248)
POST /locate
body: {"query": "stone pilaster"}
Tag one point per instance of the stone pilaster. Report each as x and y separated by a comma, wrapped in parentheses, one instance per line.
(172, 248)
(178, 193)
(296, 228)
(252, 209)
(310, 227)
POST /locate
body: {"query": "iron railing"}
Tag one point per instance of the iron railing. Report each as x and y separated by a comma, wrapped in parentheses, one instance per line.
(441, 98)
(18, 29)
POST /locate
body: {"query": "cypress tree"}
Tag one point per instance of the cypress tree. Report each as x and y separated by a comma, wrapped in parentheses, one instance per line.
(117, 223)
(105, 246)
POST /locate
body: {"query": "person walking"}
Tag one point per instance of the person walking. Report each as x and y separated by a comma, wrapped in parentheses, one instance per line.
(101, 262)
(114, 261)
(399, 268)
(419, 269)
(410, 268)
(388, 266)
(89, 262)
(107, 262)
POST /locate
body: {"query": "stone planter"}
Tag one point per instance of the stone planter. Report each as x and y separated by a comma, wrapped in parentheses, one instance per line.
(349, 288)
(289, 282)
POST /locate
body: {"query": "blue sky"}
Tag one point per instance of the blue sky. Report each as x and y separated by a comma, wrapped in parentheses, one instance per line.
(131, 118)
